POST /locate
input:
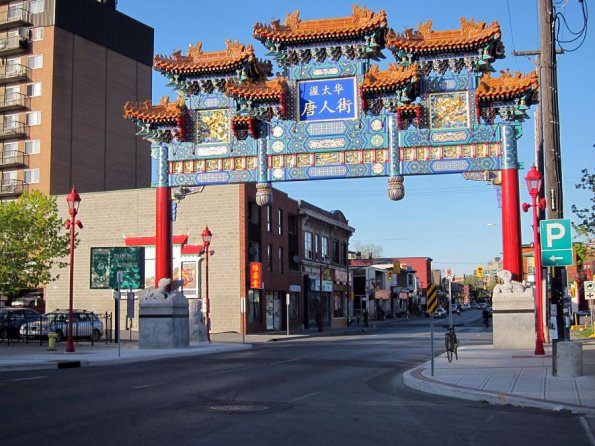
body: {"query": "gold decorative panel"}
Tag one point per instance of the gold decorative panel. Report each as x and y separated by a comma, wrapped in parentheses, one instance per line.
(212, 126)
(352, 157)
(289, 161)
(448, 110)
(303, 160)
(277, 161)
(380, 156)
(368, 156)
(327, 158)
(227, 164)
(212, 165)
(239, 163)
(449, 152)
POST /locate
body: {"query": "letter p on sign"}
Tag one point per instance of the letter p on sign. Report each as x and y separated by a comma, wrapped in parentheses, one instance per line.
(554, 231)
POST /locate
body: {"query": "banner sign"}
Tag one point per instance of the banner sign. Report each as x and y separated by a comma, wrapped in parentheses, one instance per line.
(328, 99)
(107, 262)
(255, 275)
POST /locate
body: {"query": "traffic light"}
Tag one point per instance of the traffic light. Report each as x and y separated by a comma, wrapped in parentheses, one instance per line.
(479, 272)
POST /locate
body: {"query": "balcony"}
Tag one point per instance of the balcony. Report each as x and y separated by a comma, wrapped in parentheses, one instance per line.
(14, 17)
(14, 73)
(12, 130)
(14, 101)
(13, 158)
(13, 45)
(12, 188)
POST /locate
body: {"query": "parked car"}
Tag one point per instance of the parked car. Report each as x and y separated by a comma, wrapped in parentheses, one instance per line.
(440, 313)
(85, 324)
(12, 319)
(465, 307)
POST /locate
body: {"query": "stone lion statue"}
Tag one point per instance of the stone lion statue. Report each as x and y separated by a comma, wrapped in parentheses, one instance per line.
(509, 286)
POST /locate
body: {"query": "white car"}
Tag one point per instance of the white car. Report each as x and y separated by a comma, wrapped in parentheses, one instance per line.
(85, 324)
(440, 313)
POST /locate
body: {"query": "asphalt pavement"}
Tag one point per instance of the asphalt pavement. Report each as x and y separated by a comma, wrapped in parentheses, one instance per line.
(481, 373)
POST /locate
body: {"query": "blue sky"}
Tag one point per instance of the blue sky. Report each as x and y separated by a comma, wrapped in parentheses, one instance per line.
(454, 221)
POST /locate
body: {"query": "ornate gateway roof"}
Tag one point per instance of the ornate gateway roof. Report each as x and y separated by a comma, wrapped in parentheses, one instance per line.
(470, 36)
(164, 113)
(294, 29)
(396, 76)
(197, 62)
(507, 86)
(271, 90)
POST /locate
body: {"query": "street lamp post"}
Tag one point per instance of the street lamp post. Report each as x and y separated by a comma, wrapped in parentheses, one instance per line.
(206, 240)
(323, 267)
(533, 180)
(73, 199)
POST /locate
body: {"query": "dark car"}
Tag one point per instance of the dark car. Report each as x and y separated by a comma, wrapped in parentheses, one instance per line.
(11, 320)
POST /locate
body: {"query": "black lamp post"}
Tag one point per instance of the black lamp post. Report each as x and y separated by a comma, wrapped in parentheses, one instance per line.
(533, 180)
(207, 235)
(74, 200)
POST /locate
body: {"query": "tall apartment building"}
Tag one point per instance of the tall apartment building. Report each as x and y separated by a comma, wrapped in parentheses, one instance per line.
(66, 69)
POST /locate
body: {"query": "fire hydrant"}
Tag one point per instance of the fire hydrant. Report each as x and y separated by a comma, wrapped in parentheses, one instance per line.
(52, 339)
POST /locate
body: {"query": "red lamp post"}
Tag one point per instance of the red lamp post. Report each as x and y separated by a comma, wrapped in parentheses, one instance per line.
(533, 180)
(74, 200)
(207, 235)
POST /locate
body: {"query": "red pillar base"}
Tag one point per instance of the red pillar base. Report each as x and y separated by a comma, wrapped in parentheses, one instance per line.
(539, 351)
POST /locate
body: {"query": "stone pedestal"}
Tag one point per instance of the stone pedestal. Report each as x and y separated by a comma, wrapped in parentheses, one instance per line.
(568, 359)
(513, 318)
(198, 329)
(163, 322)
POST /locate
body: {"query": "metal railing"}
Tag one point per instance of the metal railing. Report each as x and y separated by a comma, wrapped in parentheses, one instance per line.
(12, 129)
(16, 330)
(13, 158)
(13, 187)
(13, 72)
(13, 101)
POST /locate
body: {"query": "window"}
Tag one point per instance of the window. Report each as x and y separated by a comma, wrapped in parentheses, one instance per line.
(12, 95)
(280, 260)
(324, 251)
(15, 11)
(37, 33)
(31, 176)
(36, 6)
(308, 244)
(35, 61)
(338, 307)
(9, 177)
(11, 122)
(253, 213)
(10, 150)
(269, 218)
(33, 118)
(335, 251)
(34, 89)
(32, 146)
(291, 224)
(280, 222)
(270, 257)
(315, 246)
(254, 252)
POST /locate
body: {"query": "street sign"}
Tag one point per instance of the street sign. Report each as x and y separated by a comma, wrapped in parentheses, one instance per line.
(589, 289)
(432, 295)
(117, 267)
(556, 242)
(449, 273)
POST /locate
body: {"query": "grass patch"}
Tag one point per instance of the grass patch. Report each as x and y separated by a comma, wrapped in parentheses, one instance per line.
(584, 333)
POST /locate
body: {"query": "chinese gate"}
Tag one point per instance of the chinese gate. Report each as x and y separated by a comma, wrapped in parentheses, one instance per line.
(332, 113)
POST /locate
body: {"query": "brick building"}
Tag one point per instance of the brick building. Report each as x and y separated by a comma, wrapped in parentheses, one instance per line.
(66, 69)
(243, 232)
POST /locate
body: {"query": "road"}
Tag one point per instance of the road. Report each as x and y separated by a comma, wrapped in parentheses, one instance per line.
(341, 389)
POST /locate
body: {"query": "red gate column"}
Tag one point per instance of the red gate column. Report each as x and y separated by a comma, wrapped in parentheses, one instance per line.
(511, 217)
(163, 230)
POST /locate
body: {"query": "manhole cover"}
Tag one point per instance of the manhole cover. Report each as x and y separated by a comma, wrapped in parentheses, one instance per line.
(238, 408)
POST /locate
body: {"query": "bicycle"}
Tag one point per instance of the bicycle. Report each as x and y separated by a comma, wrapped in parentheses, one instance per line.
(452, 343)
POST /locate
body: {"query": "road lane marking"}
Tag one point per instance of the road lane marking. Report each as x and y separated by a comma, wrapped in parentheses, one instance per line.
(30, 378)
(303, 397)
(283, 362)
(143, 386)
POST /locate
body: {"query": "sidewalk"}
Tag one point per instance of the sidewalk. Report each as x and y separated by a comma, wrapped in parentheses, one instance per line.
(482, 373)
(516, 377)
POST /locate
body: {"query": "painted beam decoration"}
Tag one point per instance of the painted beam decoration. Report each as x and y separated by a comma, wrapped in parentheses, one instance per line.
(332, 112)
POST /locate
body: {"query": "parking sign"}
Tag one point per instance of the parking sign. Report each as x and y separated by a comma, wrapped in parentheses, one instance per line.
(556, 242)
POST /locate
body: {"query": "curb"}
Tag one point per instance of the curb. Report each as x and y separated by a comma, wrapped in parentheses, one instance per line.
(416, 380)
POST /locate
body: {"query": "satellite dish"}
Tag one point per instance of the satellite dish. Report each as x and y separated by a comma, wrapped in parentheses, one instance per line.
(296, 259)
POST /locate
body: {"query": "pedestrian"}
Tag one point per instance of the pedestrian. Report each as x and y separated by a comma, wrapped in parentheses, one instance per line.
(486, 317)
(365, 318)
(458, 311)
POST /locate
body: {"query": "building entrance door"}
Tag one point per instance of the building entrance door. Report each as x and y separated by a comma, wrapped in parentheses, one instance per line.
(269, 311)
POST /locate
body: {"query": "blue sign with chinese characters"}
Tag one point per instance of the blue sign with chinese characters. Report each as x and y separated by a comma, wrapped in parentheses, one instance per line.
(328, 99)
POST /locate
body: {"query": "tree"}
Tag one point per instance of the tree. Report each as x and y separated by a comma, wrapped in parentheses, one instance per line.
(586, 227)
(32, 241)
(368, 248)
